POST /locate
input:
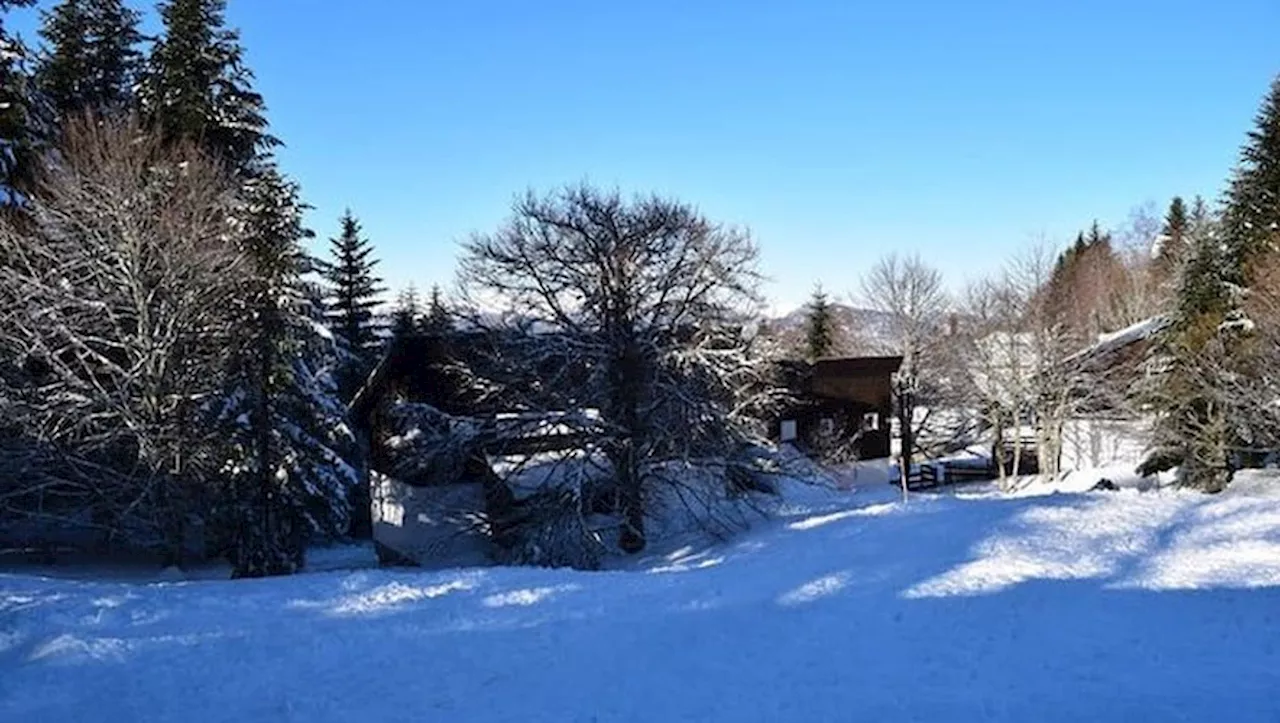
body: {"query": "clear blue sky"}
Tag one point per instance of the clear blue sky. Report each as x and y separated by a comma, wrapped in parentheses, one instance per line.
(836, 130)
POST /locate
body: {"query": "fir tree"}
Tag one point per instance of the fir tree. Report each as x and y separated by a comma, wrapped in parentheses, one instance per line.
(1175, 221)
(63, 70)
(354, 293)
(1210, 347)
(1173, 239)
(406, 320)
(1193, 358)
(19, 137)
(116, 61)
(195, 84)
(438, 319)
(288, 475)
(91, 61)
(1252, 213)
(1097, 238)
(820, 332)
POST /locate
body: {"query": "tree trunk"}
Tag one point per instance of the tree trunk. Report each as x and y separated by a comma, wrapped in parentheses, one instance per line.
(908, 442)
(997, 451)
(627, 385)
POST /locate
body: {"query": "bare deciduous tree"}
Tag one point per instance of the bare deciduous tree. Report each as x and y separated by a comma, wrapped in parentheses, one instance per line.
(113, 303)
(911, 292)
(635, 309)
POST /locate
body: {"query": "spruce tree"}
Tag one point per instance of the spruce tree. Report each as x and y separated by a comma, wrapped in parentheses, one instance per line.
(195, 85)
(1097, 238)
(115, 59)
(62, 73)
(91, 60)
(354, 293)
(1173, 244)
(1193, 356)
(1252, 213)
(1175, 221)
(288, 439)
(19, 134)
(1210, 348)
(820, 332)
(1251, 228)
(406, 320)
(438, 319)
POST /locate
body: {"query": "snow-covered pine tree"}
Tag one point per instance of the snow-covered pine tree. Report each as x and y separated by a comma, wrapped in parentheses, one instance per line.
(289, 479)
(195, 84)
(354, 292)
(18, 129)
(1192, 365)
(1251, 217)
(820, 331)
(1214, 389)
(1251, 231)
(1173, 241)
(91, 60)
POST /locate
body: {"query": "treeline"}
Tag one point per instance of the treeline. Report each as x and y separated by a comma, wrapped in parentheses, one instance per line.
(1004, 357)
(167, 377)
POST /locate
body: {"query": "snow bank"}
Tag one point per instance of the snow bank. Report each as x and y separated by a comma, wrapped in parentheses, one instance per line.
(964, 606)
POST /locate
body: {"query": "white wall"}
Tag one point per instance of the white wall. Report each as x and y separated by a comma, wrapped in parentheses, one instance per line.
(1092, 443)
(433, 526)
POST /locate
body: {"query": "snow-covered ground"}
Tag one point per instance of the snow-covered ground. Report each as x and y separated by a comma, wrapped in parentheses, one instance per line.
(966, 605)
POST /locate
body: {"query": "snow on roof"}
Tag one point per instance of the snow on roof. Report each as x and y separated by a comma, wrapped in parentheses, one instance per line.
(1112, 341)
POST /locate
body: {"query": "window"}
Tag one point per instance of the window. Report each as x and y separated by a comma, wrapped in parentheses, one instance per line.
(788, 431)
(871, 422)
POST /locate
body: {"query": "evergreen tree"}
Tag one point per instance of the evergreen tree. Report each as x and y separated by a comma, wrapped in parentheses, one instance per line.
(1251, 229)
(1194, 358)
(1079, 295)
(289, 480)
(1199, 217)
(406, 320)
(438, 319)
(195, 84)
(63, 70)
(1097, 238)
(1252, 213)
(1175, 221)
(19, 137)
(1209, 355)
(91, 61)
(820, 332)
(1173, 243)
(354, 293)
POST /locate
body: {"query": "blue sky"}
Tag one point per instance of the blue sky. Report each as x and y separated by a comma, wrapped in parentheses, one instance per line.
(836, 130)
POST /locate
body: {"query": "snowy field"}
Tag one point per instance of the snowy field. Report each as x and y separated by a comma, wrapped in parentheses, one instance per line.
(1042, 606)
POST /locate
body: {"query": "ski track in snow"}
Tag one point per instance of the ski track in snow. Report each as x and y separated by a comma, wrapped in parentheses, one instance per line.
(967, 605)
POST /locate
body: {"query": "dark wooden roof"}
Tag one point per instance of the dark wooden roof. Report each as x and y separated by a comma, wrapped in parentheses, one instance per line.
(405, 357)
(859, 366)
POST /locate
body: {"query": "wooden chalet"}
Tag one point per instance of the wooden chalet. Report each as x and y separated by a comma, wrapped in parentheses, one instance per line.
(850, 398)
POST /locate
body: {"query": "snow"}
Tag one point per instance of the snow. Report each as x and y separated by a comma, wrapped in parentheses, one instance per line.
(1051, 604)
(1118, 339)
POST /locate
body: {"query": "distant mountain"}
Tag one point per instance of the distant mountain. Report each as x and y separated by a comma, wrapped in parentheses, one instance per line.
(861, 331)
